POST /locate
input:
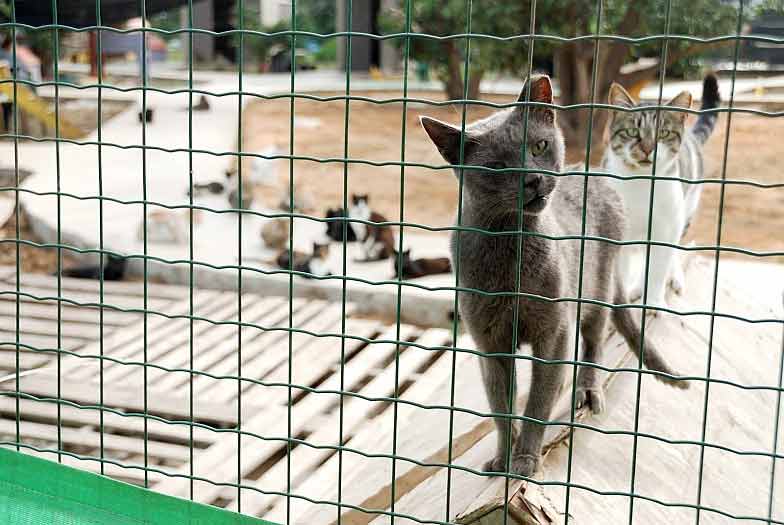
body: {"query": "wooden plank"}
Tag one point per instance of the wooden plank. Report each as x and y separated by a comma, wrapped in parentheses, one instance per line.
(50, 327)
(129, 341)
(76, 314)
(420, 432)
(121, 397)
(479, 499)
(159, 346)
(217, 344)
(128, 287)
(7, 272)
(267, 312)
(84, 437)
(270, 356)
(27, 360)
(216, 459)
(83, 297)
(731, 483)
(305, 459)
(170, 432)
(39, 342)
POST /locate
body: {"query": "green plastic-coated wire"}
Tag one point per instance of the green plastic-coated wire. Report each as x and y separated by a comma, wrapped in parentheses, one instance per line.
(588, 144)
(647, 265)
(101, 260)
(245, 269)
(717, 255)
(457, 250)
(344, 247)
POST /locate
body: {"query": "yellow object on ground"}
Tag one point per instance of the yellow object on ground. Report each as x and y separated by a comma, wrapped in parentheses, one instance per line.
(36, 107)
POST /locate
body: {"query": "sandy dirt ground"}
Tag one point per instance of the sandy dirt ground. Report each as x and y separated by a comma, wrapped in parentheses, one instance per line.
(753, 218)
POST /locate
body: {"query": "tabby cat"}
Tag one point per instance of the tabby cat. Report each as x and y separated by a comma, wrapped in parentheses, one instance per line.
(634, 143)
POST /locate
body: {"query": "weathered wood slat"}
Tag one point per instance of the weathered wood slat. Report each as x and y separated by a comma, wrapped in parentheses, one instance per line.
(76, 314)
(356, 412)
(129, 341)
(27, 360)
(174, 351)
(216, 459)
(366, 480)
(131, 399)
(91, 418)
(130, 288)
(224, 356)
(82, 297)
(268, 312)
(270, 355)
(51, 326)
(478, 499)
(39, 342)
(159, 346)
(85, 437)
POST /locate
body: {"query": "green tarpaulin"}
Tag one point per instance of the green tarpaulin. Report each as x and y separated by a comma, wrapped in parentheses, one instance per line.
(35, 491)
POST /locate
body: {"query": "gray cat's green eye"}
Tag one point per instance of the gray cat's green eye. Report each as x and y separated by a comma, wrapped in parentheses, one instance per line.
(539, 148)
(632, 133)
(664, 133)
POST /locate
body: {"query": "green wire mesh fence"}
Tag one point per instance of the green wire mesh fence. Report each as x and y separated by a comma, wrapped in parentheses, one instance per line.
(408, 34)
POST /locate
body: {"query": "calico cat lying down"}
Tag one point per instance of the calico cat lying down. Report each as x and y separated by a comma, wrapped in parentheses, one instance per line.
(413, 268)
(314, 263)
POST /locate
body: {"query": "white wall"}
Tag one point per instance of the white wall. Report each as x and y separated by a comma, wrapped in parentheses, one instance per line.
(274, 11)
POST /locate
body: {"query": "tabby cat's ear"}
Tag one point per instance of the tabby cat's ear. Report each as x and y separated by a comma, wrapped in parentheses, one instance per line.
(446, 137)
(682, 100)
(541, 91)
(620, 97)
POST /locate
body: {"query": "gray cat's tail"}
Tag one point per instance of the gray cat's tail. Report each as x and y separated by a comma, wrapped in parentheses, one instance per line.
(651, 357)
(710, 99)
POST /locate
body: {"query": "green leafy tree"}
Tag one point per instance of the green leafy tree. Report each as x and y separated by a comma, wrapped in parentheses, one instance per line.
(572, 62)
(447, 56)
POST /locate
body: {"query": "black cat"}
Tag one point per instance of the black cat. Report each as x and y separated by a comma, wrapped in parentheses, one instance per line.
(335, 228)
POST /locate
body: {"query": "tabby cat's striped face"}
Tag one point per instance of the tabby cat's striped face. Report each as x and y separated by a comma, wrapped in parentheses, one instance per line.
(635, 136)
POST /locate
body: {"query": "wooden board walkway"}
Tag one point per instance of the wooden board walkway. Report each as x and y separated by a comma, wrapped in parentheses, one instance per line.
(287, 460)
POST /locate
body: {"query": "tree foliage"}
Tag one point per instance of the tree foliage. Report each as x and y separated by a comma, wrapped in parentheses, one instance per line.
(571, 62)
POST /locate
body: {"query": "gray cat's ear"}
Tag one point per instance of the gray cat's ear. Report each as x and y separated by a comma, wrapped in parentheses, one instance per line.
(541, 91)
(446, 137)
(620, 97)
(682, 100)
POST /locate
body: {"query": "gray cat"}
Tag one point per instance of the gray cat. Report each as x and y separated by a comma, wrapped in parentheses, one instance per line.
(548, 268)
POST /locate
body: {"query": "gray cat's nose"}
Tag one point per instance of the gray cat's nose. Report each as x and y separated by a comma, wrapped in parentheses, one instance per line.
(534, 183)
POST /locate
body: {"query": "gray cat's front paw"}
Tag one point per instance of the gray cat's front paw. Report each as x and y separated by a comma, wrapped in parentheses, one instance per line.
(497, 464)
(525, 464)
(591, 397)
(522, 464)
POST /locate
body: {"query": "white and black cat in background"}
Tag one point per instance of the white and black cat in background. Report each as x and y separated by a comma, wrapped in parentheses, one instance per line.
(377, 240)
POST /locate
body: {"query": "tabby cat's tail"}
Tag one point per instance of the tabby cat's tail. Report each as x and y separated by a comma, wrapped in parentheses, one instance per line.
(710, 99)
(651, 357)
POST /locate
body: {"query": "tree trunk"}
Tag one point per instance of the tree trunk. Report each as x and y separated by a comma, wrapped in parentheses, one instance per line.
(474, 80)
(574, 69)
(453, 81)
